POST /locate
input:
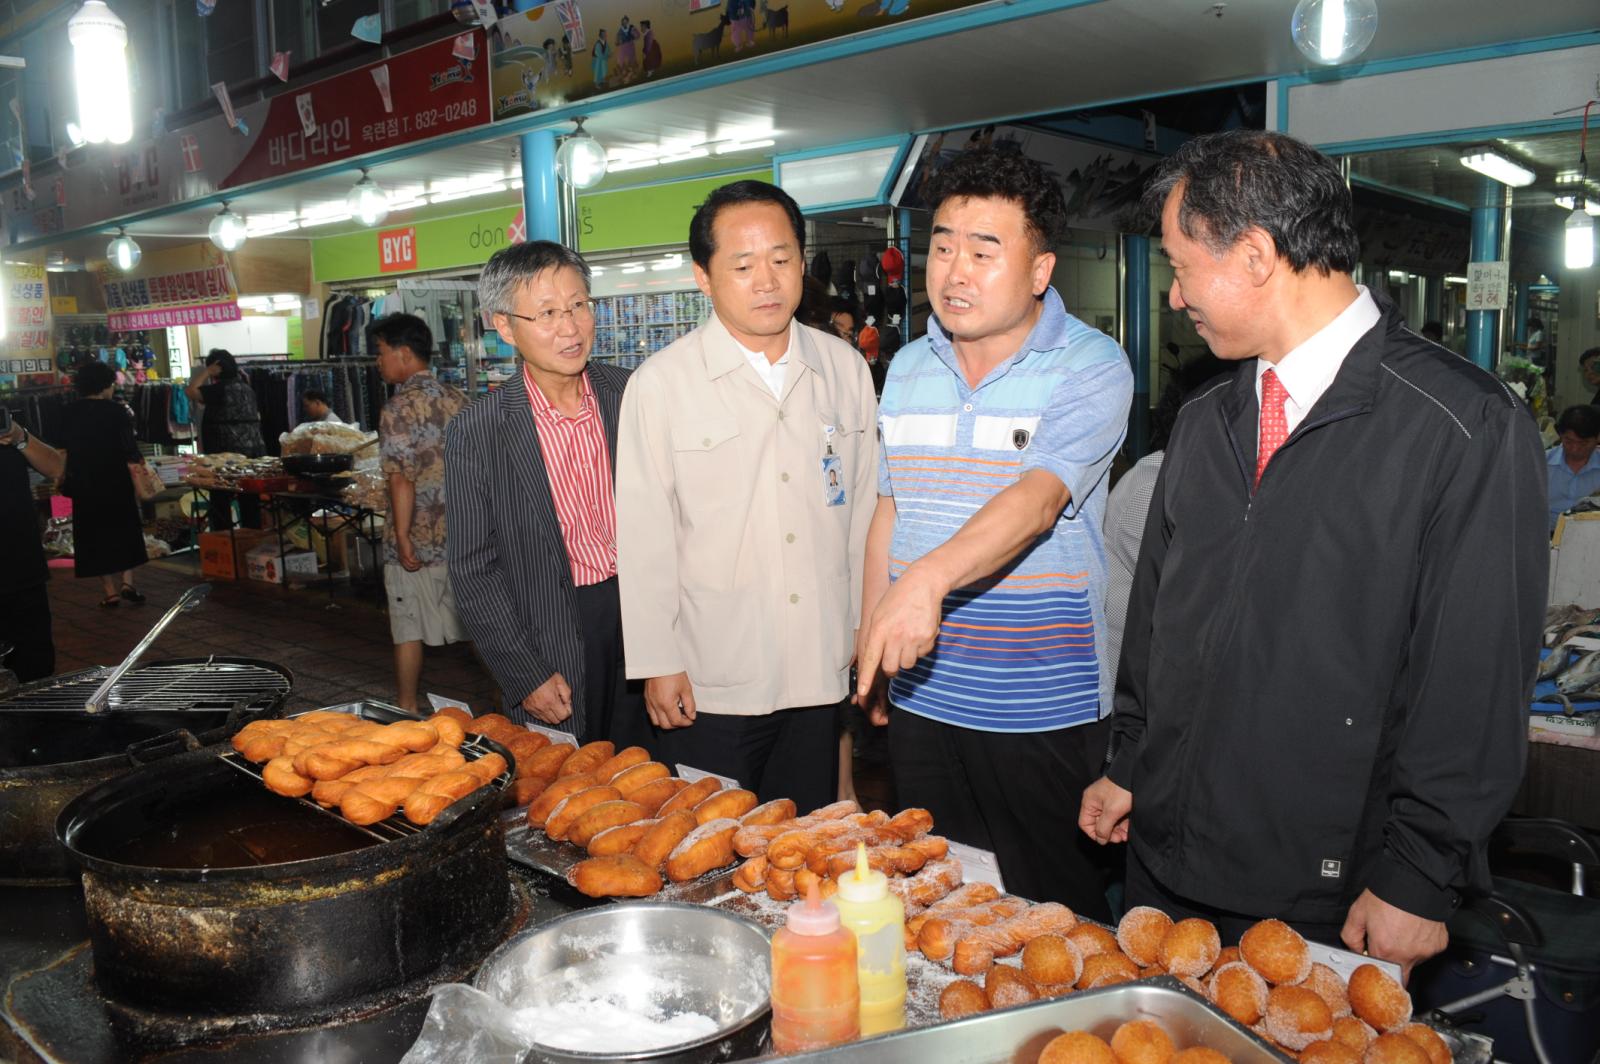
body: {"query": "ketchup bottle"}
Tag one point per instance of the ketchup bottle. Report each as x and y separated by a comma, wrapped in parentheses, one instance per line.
(815, 999)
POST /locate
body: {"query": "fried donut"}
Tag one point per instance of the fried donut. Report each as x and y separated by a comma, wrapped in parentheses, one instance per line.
(774, 812)
(937, 939)
(1426, 1037)
(978, 948)
(489, 722)
(1190, 947)
(588, 757)
(1198, 1055)
(662, 839)
(708, 846)
(281, 778)
(1296, 1017)
(836, 810)
(780, 884)
(377, 799)
(962, 998)
(1277, 952)
(1140, 932)
(751, 877)
(803, 879)
(570, 808)
(1107, 969)
(960, 897)
(1378, 999)
(619, 876)
(726, 804)
(1092, 939)
(1142, 1042)
(522, 748)
(451, 732)
(328, 761)
(1077, 1047)
(634, 777)
(545, 802)
(1051, 960)
(600, 817)
(455, 713)
(550, 760)
(1329, 1052)
(1395, 1049)
(1330, 988)
(692, 795)
(487, 768)
(1228, 955)
(328, 792)
(1006, 986)
(620, 839)
(434, 796)
(1238, 989)
(1354, 1032)
(655, 794)
(911, 824)
(935, 880)
(620, 762)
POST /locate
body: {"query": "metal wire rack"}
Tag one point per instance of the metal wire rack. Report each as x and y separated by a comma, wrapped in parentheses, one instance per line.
(200, 684)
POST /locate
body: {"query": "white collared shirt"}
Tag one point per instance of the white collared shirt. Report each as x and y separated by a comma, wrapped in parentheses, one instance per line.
(771, 373)
(1308, 370)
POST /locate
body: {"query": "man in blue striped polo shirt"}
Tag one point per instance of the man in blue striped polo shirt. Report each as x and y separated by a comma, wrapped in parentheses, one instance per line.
(986, 571)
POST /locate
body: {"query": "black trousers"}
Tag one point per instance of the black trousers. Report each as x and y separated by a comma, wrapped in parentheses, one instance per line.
(613, 707)
(1014, 794)
(792, 753)
(1144, 889)
(25, 624)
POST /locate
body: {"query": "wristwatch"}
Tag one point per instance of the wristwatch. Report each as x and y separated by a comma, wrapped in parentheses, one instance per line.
(22, 444)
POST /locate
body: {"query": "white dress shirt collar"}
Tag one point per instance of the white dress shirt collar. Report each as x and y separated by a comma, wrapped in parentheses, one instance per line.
(772, 374)
(1308, 370)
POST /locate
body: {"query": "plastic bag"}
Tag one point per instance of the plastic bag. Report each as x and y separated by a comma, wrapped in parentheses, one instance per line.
(467, 1024)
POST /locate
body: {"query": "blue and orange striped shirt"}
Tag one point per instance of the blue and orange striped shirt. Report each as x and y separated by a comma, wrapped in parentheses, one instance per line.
(1017, 652)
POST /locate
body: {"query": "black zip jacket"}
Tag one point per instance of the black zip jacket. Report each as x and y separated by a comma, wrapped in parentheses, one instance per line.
(1324, 684)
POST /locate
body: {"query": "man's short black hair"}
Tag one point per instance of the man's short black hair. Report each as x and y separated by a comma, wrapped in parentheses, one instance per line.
(1248, 178)
(311, 395)
(1582, 420)
(93, 378)
(701, 244)
(1589, 356)
(404, 330)
(1004, 173)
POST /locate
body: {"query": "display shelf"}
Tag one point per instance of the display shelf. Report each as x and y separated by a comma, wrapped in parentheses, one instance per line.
(630, 328)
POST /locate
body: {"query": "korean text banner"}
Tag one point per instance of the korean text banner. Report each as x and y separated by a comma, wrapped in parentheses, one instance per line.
(193, 297)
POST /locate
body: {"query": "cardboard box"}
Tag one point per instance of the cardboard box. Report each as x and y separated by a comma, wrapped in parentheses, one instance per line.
(216, 556)
(264, 563)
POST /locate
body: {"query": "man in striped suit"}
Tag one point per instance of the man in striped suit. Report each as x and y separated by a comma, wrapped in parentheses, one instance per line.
(533, 526)
(986, 564)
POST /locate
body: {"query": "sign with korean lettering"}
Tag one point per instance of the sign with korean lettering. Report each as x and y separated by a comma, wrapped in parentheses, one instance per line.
(397, 250)
(1487, 283)
(194, 297)
(27, 314)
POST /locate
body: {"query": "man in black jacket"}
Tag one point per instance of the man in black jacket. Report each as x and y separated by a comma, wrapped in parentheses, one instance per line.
(1321, 707)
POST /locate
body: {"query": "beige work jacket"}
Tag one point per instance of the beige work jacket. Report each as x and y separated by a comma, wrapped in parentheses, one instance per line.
(732, 565)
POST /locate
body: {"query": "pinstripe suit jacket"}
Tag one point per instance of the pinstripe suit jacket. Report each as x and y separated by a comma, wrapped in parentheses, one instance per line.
(509, 568)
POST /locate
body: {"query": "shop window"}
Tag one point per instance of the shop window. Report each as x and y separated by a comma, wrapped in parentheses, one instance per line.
(186, 55)
(230, 43)
(403, 13)
(294, 29)
(334, 22)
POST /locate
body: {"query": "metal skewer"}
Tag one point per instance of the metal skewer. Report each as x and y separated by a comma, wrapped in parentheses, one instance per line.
(102, 694)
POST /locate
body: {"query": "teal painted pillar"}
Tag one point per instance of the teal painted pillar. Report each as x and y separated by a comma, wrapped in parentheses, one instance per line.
(1519, 314)
(1487, 222)
(541, 198)
(1136, 298)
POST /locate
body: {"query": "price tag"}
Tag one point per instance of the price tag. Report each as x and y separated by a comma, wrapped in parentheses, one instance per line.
(978, 866)
(552, 734)
(694, 775)
(1342, 960)
(439, 702)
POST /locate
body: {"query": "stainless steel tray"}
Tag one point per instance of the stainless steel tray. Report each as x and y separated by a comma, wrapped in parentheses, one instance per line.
(1017, 1035)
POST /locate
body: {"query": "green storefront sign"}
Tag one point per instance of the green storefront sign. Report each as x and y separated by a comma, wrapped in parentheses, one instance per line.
(628, 218)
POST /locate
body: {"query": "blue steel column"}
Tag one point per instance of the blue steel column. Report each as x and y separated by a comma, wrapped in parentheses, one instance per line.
(1136, 298)
(1519, 315)
(1486, 224)
(541, 198)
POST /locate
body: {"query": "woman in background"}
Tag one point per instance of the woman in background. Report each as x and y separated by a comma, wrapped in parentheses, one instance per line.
(231, 422)
(107, 532)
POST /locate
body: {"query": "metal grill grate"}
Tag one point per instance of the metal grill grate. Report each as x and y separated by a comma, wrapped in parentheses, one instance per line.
(209, 684)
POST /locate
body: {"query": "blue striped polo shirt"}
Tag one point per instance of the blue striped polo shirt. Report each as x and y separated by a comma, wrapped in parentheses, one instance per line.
(1016, 651)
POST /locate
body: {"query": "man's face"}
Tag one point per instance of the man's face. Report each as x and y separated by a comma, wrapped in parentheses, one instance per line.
(1578, 448)
(315, 410)
(394, 363)
(754, 277)
(558, 340)
(984, 272)
(1591, 372)
(1216, 292)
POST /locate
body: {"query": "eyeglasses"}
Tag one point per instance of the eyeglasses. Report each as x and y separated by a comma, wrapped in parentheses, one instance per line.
(582, 310)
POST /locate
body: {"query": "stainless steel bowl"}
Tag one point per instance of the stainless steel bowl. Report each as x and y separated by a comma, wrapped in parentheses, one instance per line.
(647, 956)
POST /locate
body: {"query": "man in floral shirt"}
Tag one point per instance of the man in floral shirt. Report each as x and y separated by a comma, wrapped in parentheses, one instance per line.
(421, 609)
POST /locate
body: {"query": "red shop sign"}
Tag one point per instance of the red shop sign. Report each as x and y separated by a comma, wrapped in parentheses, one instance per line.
(397, 249)
(432, 90)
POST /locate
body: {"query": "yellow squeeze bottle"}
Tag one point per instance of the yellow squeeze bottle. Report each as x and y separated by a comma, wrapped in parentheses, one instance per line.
(877, 919)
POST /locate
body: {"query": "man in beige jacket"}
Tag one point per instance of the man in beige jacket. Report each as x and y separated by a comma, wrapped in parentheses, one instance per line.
(746, 479)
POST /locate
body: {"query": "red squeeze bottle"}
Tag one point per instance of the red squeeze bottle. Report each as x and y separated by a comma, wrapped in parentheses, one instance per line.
(815, 996)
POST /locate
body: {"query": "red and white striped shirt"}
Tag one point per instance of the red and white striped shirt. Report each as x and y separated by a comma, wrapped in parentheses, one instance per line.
(579, 467)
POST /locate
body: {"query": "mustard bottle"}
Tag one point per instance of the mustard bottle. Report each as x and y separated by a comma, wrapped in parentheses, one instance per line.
(877, 919)
(814, 1002)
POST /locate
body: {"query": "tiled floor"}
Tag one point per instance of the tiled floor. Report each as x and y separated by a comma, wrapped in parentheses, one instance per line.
(338, 647)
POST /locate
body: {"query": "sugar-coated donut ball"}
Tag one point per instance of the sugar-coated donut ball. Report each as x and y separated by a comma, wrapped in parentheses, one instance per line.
(1228, 955)
(1426, 1037)
(1378, 999)
(1077, 1047)
(1354, 1032)
(1277, 951)
(1141, 1042)
(1329, 986)
(1239, 990)
(1007, 986)
(1394, 1049)
(962, 998)
(1140, 932)
(1193, 984)
(1329, 1052)
(1190, 947)
(1052, 960)
(1296, 1017)
(1107, 969)
(1152, 971)
(1091, 939)
(1198, 1055)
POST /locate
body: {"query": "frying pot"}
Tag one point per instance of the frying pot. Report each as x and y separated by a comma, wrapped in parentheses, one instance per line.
(316, 465)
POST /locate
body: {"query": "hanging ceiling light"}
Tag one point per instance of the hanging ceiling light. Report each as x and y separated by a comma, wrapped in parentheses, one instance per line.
(227, 230)
(367, 202)
(1331, 32)
(1492, 164)
(1579, 238)
(123, 251)
(581, 160)
(100, 68)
